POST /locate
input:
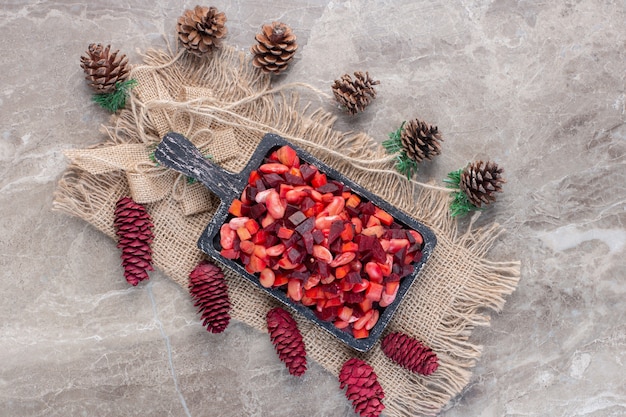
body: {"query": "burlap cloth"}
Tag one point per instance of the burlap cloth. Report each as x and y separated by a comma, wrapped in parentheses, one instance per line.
(225, 106)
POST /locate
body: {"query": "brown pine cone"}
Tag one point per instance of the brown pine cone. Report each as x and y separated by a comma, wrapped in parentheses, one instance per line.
(104, 68)
(355, 95)
(133, 227)
(420, 140)
(201, 30)
(208, 287)
(363, 390)
(480, 181)
(410, 353)
(276, 47)
(287, 340)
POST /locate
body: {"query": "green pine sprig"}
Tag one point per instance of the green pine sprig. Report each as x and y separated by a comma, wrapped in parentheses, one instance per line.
(393, 145)
(117, 99)
(460, 204)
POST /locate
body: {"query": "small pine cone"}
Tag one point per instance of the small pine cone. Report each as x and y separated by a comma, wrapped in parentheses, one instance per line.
(208, 287)
(133, 227)
(420, 140)
(201, 30)
(363, 390)
(104, 69)
(276, 47)
(355, 94)
(287, 340)
(410, 353)
(480, 181)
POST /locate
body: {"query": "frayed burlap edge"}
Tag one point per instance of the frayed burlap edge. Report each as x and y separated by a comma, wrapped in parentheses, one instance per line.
(442, 308)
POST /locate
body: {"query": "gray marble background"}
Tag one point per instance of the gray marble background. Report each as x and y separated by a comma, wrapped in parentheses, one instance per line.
(538, 86)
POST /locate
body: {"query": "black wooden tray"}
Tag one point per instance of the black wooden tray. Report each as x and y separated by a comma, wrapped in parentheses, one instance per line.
(177, 152)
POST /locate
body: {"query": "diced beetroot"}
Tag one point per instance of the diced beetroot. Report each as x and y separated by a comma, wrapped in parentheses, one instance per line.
(273, 180)
(307, 171)
(353, 277)
(301, 275)
(297, 218)
(306, 226)
(367, 208)
(260, 185)
(293, 179)
(307, 239)
(250, 193)
(322, 269)
(393, 277)
(336, 228)
(353, 297)
(307, 203)
(295, 255)
(329, 187)
(257, 210)
(318, 236)
(399, 256)
(406, 270)
(335, 247)
(292, 241)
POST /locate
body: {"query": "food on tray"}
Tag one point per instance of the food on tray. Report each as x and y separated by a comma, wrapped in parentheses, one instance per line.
(325, 246)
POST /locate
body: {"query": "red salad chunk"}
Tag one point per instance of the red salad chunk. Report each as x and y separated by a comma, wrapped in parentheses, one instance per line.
(303, 232)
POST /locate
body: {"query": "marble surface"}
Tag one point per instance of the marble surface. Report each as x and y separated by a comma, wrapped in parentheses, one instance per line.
(537, 86)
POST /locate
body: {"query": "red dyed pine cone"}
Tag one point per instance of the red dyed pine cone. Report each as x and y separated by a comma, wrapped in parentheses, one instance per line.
(287, 340)
(410, 353)
(208, 287)
(363, 388)
(133, 227)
